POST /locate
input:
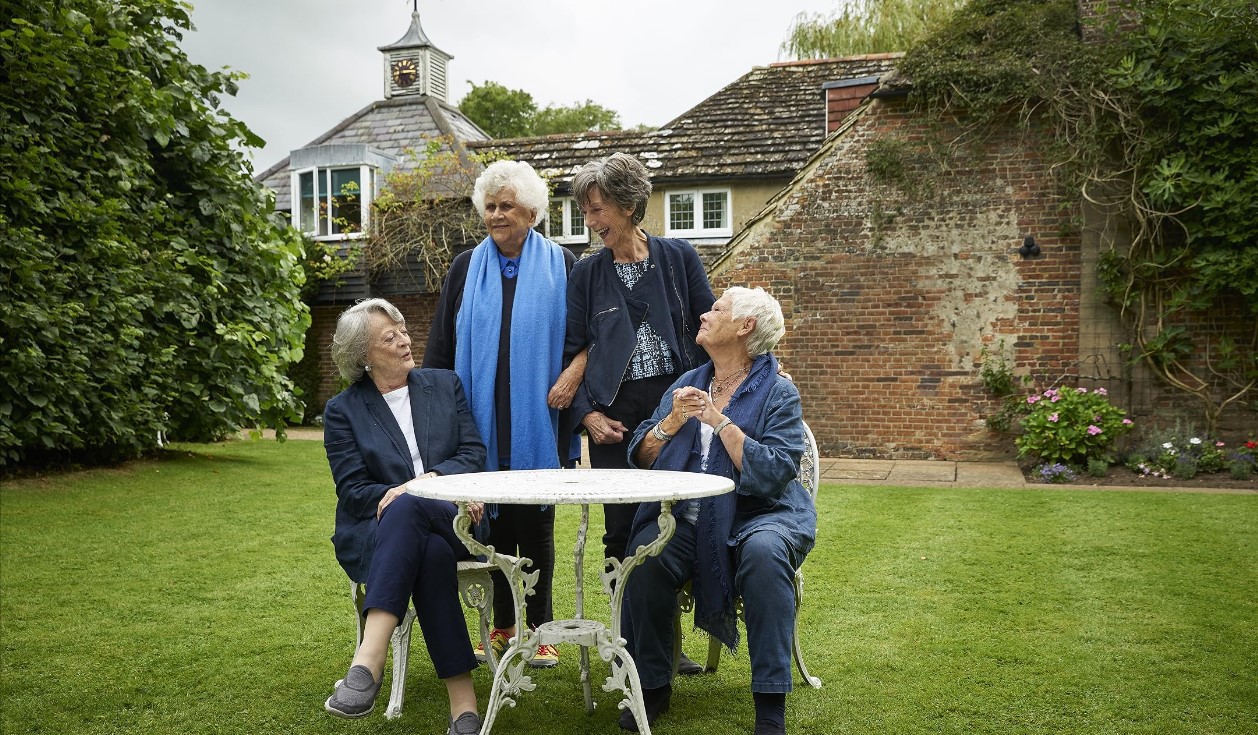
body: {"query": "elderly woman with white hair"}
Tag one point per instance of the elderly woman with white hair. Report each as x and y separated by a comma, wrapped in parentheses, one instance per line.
(734, 416)
(500, 325)
(393, 424)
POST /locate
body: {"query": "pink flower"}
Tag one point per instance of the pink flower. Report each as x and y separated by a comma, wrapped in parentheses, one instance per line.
(1056, 398)
(1102, 392)
(1094, 430)
(1127, 422)
(1050, 392)
(1053, 418)
(1219, 444)
(1082, 390)
(1032, 399)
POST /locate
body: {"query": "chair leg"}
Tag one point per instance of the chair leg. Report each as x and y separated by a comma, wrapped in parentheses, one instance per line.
(813, 681)
(401, 654)
(714, 654)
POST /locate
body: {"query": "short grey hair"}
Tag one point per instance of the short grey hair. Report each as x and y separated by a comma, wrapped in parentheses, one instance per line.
(353, 336)
(620, 178)
(530, 189)
(756, 302)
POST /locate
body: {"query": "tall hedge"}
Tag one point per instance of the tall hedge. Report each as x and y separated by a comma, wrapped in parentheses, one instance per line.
(145, 285)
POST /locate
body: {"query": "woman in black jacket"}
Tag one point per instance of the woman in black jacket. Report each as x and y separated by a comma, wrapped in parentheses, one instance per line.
(635, 305)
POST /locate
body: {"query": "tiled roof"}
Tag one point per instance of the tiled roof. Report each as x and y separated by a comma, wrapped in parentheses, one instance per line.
(765, 124)
(389, 127)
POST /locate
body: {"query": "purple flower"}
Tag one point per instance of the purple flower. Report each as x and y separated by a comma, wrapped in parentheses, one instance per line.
(1032, 399)
(1127, 422)
(1053, 418)
(1102, 392)
(1056, 398)
(1094, 430)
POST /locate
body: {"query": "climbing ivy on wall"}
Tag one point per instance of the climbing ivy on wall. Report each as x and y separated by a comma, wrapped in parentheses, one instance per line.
(1152, 122)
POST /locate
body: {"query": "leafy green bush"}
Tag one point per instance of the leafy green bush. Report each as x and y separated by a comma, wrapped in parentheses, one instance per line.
(1070, 426)
(146, 284)
(1097, 467)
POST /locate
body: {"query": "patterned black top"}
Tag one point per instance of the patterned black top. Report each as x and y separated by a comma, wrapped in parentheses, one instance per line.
(652, 356)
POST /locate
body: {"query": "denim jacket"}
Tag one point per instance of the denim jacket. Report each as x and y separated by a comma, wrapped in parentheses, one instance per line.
(673, 296)
(770, 495)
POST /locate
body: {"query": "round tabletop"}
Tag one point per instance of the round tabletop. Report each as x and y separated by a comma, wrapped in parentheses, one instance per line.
(570, 487)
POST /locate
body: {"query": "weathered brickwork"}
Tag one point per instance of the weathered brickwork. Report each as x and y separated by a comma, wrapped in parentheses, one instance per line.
(418, 310)
(891, 298)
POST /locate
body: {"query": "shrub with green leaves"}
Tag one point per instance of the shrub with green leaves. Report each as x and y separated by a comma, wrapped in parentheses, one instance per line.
(1070, 426)
(145, 283)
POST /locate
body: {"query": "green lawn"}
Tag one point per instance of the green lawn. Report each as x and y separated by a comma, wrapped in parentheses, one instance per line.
(198, 593)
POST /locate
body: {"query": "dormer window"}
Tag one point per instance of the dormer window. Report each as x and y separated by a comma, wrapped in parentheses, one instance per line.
(333, 186)
(333, 203)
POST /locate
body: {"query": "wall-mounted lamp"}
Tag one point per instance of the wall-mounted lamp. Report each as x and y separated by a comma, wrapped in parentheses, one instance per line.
(1029, 247)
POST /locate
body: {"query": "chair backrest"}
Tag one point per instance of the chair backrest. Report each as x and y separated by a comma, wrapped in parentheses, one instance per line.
(810, 465)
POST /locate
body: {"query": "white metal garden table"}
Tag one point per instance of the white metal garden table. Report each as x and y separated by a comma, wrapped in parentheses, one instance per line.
(569, 487)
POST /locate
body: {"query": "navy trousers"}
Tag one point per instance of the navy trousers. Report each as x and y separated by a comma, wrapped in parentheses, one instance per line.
(525, 530)
(635, 402)
(415, 556)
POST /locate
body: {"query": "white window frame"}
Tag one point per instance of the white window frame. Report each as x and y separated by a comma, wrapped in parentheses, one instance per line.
(565, 236)
(699, 230)
(367, 179)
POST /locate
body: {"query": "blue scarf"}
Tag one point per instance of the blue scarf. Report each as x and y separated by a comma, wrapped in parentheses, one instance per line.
(538, 321)
(713, 579)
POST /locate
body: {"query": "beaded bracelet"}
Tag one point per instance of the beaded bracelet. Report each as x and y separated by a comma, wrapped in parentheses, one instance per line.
(658, 433)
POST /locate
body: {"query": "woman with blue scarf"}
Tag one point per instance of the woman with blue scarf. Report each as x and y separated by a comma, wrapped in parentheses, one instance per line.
(734, 416)
(500, 325)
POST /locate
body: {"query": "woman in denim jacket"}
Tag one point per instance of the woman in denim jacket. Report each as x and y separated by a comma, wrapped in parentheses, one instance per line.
(636, 306)
(734, 416)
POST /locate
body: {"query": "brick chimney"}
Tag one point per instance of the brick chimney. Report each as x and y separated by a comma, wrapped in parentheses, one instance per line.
(844, 96)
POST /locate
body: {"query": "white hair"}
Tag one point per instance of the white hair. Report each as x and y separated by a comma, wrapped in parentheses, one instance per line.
(757, 303)
(353, 335)
(530, 190)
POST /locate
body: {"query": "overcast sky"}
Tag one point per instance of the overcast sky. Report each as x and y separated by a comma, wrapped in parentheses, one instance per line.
(312, 63)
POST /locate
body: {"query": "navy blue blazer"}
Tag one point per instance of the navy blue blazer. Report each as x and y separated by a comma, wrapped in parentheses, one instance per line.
(672, 297)
(368, 454)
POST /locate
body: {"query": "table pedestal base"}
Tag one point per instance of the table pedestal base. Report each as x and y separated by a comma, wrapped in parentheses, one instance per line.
(587, 634)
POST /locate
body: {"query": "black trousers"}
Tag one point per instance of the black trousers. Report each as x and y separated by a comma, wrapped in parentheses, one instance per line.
(525, 530)
(635, 403)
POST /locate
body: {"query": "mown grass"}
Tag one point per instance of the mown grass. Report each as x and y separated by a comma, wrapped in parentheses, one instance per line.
(198, 593)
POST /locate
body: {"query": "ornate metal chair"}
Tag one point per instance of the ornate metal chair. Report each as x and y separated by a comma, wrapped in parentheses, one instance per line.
(810, 478)
(476, 590)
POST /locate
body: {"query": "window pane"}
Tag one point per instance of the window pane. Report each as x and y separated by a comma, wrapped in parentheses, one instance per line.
(306, 202)
(347, 213)
(714, 211)
(577, 229)
(681, 214)
(321, 181)
(554, 219)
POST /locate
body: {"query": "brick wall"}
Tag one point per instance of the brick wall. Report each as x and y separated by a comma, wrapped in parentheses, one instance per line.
(418, 310)
(891, 298)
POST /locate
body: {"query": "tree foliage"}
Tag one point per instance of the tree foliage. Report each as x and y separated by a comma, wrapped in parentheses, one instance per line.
(146, 285)
(424, 212)
(866, 27)
(1153, 124)
(512, 113)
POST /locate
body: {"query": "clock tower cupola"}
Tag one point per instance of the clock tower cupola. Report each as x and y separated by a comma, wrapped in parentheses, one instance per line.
(413, 66)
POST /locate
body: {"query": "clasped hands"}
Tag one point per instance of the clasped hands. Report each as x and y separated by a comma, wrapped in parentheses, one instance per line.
(691, 402)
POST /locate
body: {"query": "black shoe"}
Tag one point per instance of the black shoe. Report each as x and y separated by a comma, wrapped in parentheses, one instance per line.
(765, 728)
(654, 701)
(686, 667)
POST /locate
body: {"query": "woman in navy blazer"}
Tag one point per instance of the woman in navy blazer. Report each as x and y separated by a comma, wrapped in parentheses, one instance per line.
(393, 424)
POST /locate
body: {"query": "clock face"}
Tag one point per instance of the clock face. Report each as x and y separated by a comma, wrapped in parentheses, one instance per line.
(404, 72)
